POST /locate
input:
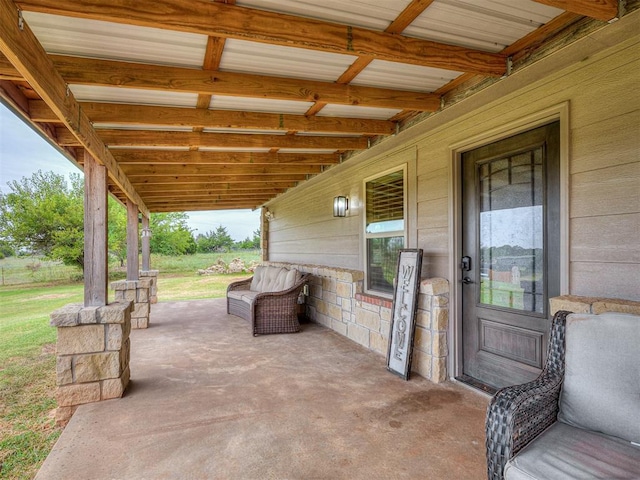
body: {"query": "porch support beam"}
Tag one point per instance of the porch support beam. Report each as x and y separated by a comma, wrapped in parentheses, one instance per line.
(133, 267)
(95, 233)
(146, 244)
(20, 46)
(169, 157)
(599, 9)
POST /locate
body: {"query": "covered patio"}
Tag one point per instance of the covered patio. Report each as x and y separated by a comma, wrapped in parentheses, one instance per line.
(209, 400)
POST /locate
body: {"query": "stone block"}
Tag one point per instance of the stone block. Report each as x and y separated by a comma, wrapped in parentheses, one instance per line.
(358, 334)
(440, 319)
(144, 283)
(115, 387)
(385, 314)
(434, 286)
(140, 310)
(439, 301)
(64, 374)
(439, 344)
(323, 320)
(344, 289)
(70, 395)
(422, 340)
(66, 316)
(329, 284)
(141, 323)
(330, 297)
(421, 364)
(88, 315)
(80, 339)
(424, 303)
(96, 367)
(346, 316)
(385, 327)
(142, 295)
(378, 343)
(115, 334)
(119, 295)
(423, 318)
(125, 354)
(438, 369)
(129, 295)
(334, 311)
(117, 312)
(571, 303)
(339, 327)
(372, 307)
(63, 415)
(367, 319)
(618, 306)
(346, 304)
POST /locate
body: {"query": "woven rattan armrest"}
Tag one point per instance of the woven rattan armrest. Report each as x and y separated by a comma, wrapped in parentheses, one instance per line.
(519, 413)
(240, 285)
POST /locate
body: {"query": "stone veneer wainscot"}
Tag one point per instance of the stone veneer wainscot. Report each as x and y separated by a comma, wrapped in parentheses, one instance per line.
(336, 300)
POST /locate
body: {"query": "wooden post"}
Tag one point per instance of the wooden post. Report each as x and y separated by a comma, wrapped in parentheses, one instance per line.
(146, 244)
(95, 233)
(133, 266)
(264, 235)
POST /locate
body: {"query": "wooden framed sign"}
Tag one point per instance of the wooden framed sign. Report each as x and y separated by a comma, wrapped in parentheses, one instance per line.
(403, 321)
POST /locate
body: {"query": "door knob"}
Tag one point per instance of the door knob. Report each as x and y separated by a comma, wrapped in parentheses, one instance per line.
(467, 280)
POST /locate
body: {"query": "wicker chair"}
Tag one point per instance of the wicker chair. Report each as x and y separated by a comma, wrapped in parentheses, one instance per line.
(268, 312)
(519, 413)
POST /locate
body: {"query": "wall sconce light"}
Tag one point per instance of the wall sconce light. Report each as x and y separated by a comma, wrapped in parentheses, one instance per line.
(146, 232)
(269, 215)
(340, 206)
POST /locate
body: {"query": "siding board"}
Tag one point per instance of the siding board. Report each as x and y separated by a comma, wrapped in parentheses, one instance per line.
(611, 239)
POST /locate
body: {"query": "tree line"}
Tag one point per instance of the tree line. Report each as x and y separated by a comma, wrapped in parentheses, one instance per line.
(44, 215)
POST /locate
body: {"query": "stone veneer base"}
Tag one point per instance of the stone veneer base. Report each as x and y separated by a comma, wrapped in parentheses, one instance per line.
(336, 300)
(138, 292)
(93, 351)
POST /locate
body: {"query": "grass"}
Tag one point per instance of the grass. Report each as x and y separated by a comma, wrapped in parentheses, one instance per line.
(27, 355)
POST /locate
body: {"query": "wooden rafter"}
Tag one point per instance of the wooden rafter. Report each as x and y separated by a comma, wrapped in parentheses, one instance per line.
(599, 9)
(230, 21)
(153, 138)
(212, 179)
(123, 114)
(151, 170)
(171, 157)
(20, 46)
(87, 71)
(210, 188)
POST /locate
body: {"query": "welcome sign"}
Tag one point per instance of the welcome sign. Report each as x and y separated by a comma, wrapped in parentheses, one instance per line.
(403, 322)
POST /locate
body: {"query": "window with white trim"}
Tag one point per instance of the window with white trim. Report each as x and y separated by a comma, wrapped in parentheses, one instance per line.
(385, 228)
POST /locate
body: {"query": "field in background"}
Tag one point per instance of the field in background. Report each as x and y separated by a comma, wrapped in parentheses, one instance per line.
(27, 355)
(33, 269)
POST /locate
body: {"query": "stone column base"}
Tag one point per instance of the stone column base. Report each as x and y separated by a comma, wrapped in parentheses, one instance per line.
(93, 350)
(136, 291)
(153, 288)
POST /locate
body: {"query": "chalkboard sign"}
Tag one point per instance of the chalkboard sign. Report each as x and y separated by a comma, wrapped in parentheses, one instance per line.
(403, 321)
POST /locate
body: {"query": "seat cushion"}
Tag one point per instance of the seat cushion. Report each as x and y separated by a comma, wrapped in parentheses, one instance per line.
(563, 452)
(601, 390)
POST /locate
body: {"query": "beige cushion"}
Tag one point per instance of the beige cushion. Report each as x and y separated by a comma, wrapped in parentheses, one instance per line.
(258, 278)
(601, 390)
(267, 278)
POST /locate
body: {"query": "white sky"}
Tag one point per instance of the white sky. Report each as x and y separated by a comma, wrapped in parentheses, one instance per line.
(23, 152)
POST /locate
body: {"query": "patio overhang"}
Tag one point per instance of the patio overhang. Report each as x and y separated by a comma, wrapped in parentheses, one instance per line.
(190, 114)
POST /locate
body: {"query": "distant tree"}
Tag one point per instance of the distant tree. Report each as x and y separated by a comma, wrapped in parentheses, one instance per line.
(170, 234)
(250, 243)
(117, 231)
(215, 241)
(6, 250)
(43, 214)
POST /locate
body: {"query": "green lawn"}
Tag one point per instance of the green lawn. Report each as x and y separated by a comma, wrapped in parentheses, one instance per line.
(27, 353)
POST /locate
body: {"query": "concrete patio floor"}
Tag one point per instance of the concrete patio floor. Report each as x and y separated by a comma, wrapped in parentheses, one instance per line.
(207, 400)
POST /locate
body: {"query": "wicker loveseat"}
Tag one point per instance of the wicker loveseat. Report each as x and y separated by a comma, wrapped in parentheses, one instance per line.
(581, 417)
(269, 299)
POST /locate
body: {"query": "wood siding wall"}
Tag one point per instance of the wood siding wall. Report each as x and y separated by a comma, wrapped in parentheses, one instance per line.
(601, 87)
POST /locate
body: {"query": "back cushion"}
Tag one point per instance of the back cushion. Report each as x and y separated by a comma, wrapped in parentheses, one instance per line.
(258, 278)
(601, 390)
(270, 278)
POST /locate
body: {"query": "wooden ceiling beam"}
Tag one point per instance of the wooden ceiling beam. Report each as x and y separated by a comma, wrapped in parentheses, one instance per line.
(154, 138)
(217, 195)
(7, 70)
(91, 71)
(200, 207)
(180, 201)
(599, 9)
(20, 46)
(134, 156)
(124, 114)
(207, 187)
(152, 170)
(212, 179)
(230, 21)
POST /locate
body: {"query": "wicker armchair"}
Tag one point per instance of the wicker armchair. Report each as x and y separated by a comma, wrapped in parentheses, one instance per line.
(268, 312)
(519, 413)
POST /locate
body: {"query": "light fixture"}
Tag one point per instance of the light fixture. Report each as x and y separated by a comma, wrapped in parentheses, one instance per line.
(340, 206)
(146, 232)
(268, 215)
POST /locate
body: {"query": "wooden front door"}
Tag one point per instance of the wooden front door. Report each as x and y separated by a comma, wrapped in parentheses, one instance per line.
(511, 251)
